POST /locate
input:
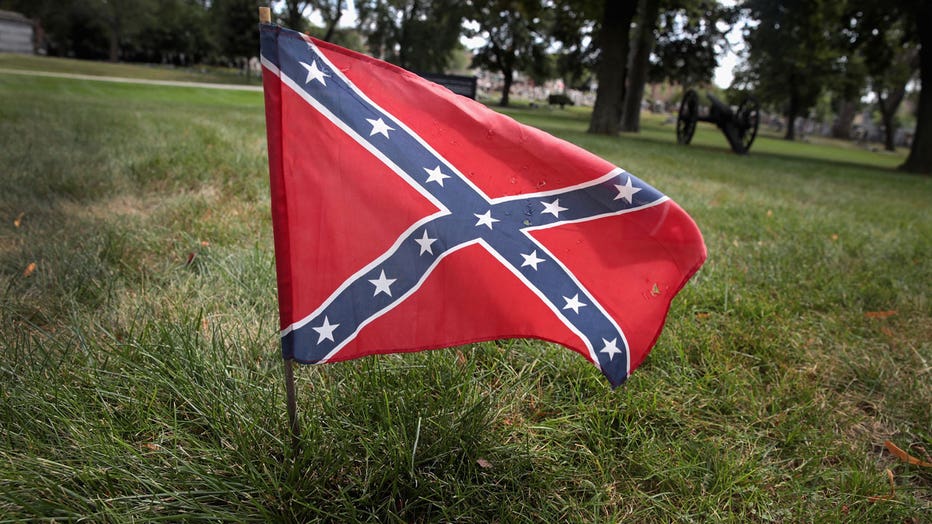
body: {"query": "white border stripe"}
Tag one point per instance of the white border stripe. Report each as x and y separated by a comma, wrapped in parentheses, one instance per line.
(583, 185)
(335, 120)
(269, 65)
(369, 267)
(543, 298)
(444, 211)
(400, 123)
(657, 202)
(397, 302)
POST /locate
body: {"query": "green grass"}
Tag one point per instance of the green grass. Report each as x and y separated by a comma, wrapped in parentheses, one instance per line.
(149, 72)
(139, 383)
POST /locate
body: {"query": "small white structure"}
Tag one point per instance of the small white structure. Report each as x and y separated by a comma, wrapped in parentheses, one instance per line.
(16, 33)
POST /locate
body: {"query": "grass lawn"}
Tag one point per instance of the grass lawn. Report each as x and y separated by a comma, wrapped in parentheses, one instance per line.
(141, 377)
(148, 72)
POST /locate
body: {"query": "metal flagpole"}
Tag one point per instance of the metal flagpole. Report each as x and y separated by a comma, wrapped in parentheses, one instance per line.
(265, 17)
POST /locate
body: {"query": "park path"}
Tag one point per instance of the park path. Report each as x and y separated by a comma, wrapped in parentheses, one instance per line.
(173, 83)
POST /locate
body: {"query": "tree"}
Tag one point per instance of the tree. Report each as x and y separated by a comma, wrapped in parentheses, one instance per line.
(415, 34)
(638, 64)
(235, 29)
(612, 66)
(886, 41)
(179, 35)
(890, 89)
(166, 31)
(293, 14)
(330, 13)
(847, 90)
(72, 29)
(125, 19)
(920, 154)
(573, 24)
(515, 33)
(887, 35)
(791, 54)
(689, 34)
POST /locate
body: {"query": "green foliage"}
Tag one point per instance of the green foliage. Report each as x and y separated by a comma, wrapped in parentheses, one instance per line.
(791, 53)
(689, 37)
(178, 35)
(234, 22)
(575, 23)
(420, 36)
(291, 13)
(180, 32)
(515, 33)
(887, 41)
(141, 383)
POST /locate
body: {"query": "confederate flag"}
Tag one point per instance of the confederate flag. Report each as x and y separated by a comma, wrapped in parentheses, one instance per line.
(409, 218)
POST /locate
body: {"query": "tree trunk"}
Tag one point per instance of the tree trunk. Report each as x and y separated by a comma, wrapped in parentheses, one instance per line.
(791, 113)
(509, 75)
(847, 109)
(613, 42)
(403, 44)
(114, 47)
(888, 106)
(334, 19)
(114, 36)
(637, 69)
(294, 14)
(920, 154)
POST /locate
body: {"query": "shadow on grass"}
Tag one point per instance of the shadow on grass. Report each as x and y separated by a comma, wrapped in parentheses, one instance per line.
(575, 121)
(724, 149)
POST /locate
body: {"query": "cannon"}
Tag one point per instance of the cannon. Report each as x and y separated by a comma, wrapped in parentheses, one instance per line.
(739, 126)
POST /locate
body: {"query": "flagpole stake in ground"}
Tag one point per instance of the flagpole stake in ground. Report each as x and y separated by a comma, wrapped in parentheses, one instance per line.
(265, 17)
(292, 403)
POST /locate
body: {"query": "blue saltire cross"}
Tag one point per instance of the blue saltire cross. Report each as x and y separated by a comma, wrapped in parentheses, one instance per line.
(466, 217)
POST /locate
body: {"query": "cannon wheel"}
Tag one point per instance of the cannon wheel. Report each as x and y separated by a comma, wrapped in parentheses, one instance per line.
(689, 115)
(748, 121)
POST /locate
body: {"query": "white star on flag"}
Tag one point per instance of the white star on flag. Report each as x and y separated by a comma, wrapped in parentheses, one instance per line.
(382, 284)
(379, 127)
(425, 243)
(553, 208)
(626, 191)
(531, 260)
(611, 349)
(575, 304)
(313, 73)
(435, 175)
(485, 219)
(325, 330)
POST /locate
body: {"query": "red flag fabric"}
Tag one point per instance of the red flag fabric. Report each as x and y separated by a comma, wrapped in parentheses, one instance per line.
(407, 217)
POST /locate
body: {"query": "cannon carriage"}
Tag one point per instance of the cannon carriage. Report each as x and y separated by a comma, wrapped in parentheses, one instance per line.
(738, 125)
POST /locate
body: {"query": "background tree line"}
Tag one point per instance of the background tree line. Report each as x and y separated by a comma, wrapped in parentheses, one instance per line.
(798, 52)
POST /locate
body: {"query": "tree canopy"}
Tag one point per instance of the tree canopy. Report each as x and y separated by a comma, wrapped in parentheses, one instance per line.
(515, 38)
(413, 34)
(791, 56)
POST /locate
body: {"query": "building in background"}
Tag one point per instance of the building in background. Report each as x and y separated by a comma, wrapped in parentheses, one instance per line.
(16, 33)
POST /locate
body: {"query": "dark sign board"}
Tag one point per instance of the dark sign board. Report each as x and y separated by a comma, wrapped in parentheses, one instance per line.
(461, 85)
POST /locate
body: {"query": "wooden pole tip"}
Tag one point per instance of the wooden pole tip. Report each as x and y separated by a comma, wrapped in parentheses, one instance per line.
(265, 15)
